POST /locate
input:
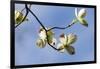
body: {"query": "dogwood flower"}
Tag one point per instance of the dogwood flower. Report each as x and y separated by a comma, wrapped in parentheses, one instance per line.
(80, 16)
(65, 43)
(19, 17)
(43, 37)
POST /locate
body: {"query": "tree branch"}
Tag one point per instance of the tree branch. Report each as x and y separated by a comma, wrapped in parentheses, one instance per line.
(72, 23)
(36, 18)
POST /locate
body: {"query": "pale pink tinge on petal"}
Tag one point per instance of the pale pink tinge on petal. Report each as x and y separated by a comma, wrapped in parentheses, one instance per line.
(63, 39)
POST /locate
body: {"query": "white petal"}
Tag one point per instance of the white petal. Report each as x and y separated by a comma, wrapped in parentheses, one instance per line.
(82, 13)
(76, 12)
(16, 14)
(71, 38)
(63, 39)
(40, 43)
(42, 35)
(60, 46)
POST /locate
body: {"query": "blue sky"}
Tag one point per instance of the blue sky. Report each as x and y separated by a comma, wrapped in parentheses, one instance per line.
(26, 50)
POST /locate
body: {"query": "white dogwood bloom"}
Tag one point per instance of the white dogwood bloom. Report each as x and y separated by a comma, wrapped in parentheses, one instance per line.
(19, 17)
(80, 16)
(65, 43)
(43, 37)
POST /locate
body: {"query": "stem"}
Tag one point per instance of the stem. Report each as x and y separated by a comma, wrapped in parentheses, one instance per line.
(23, 9)
(72, 23)
(36, 18)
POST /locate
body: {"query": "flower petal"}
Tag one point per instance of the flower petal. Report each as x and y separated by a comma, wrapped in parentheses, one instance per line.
(42, 34)
(40, 43)
(71, 39)
(60, 46)
(82, 13)
(83, 22)
(50, 33)
(18, 17)
(63, 39)
(70, 50)
(54, 41)
(76, 12)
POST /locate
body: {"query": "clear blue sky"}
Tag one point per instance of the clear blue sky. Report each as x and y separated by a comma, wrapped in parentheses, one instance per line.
(26, 50)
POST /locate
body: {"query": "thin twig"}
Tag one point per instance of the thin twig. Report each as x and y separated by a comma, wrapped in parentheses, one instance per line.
(23, 9)
(36, 18)
(62, 27)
